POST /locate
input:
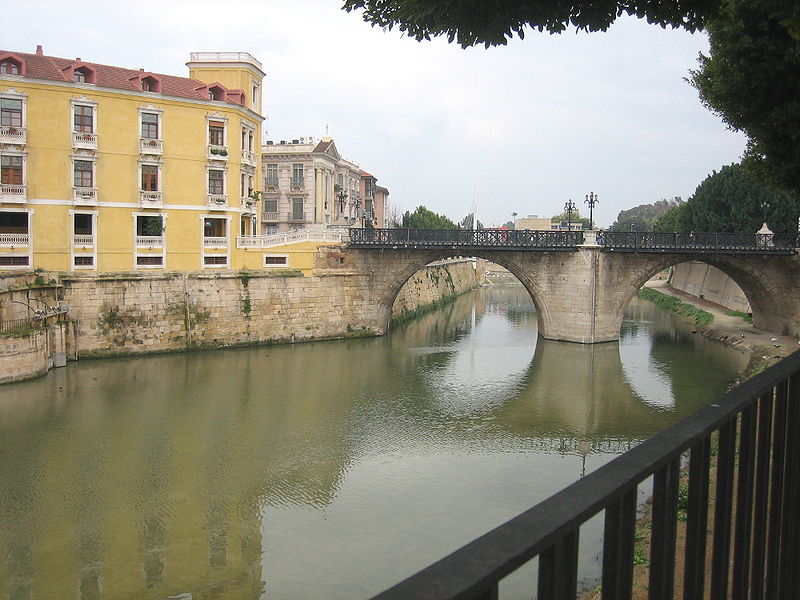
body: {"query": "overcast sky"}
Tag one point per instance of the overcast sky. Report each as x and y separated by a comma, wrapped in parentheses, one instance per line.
(535, 123)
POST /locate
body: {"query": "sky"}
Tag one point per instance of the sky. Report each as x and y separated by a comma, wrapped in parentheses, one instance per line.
(521, 128)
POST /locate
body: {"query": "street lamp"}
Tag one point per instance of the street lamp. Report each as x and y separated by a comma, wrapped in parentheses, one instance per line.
(591, 200)
(514, 220)
(341, 195)
(569, 208)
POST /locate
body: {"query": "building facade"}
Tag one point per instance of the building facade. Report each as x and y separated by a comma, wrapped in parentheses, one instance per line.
(112, 169)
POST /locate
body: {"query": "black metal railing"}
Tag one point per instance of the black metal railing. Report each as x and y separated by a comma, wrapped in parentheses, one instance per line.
(754, 432)
(465, 238)
(731, 243)
(12, 326)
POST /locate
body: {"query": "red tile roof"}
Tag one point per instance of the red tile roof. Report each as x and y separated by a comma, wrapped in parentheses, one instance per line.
(60, 69)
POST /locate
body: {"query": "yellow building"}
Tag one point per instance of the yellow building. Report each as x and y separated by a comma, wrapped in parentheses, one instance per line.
(112, 169)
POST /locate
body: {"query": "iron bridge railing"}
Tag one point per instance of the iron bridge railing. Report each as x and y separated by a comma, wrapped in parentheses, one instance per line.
(730, 243)
(754, 542)
(465, 238)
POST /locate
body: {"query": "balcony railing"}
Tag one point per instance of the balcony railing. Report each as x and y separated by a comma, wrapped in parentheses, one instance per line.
(270, 217)
(84, 140)
(217, 152)
(279, 239)
(248, 204)
(12, 193)
(149, 241)
(86, 196)
(83, 240)
(754, 540)
(296, 218)
(14, 240)
(12, 135)
(249, 158)
(149, 199)
(217, 202)
(151, 146)
(215, 242)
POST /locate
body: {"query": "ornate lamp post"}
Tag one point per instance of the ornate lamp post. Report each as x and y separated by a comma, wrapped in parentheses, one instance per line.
(341, 196)
(591, 200)
(514, 219)
(569, 208)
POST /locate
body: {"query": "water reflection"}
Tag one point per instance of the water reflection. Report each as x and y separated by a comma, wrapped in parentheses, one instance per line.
(321, 470)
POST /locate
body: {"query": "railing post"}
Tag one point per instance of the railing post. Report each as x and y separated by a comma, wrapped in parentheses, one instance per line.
(620, 522)
(695, 549)
(558, 569)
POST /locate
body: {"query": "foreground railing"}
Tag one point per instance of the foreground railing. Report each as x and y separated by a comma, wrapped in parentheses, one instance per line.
(465, 238)
(750, 243)
(755, 541)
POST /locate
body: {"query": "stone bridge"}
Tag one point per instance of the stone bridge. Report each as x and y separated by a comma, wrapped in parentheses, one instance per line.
(581, 293)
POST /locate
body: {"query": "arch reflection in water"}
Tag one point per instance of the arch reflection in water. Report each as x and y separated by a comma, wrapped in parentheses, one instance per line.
(318, 470)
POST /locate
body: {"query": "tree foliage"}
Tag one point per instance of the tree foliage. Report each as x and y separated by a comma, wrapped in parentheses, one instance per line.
(644, 216)
(468, 222)
(494, 22)
(730, 201)
(751, 79)
(422, 218)
(576, 218)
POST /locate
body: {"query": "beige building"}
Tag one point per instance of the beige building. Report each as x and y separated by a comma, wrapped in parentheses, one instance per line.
(309, 185)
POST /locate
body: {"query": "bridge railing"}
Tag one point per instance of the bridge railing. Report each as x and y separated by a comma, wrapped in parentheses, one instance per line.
(638, 241)
(465, 238)
(754, 540)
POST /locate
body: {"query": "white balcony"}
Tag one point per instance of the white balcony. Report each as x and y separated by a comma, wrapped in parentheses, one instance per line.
(269, 217)
(14, 240)
(249, 158)
(151, 146)
(80, 240)
(292, 237)
(12, 135)
(11, 193)
(82, 140)
(217, 202)
(151, 199)
(248, 204)
(84, 196)
(217, 152)
(215, 242)
(149, 241)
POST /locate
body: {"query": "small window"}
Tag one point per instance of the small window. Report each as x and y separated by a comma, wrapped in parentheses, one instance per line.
(150, 178)
(10, 112)
(297, 174)
(214, 227)
(11, 170)
(83, 120)
(150, 84)
(220, 259)
(149, 225)
(272, 174)
(216, 182)
(79, 76)
(272, 260)
(10, 67)
(271, 205)
(150, 260)
(83, 174)
(84, 261)
(297, 209)
(82, 223)
(216, 133)
(150, 126)
(13, 222)
(14, 261)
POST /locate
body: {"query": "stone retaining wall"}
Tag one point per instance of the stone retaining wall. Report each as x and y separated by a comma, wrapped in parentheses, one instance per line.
(437, 283)
(704, 281)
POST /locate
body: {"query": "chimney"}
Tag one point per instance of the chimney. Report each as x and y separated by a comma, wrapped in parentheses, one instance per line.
(78, 59)
(39, 51)
(141, 69)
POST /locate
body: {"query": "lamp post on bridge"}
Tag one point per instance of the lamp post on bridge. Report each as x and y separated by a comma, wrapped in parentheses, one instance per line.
(569, 208)
(591, 200)
(341, 196)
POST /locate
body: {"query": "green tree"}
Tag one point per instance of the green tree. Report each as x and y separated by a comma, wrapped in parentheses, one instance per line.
(576, 218)
(422, 218)
(644, 216)
(730, 201)
(751, 79)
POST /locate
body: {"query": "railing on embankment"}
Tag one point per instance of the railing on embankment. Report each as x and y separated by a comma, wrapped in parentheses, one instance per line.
(755, 542)
(465, 238)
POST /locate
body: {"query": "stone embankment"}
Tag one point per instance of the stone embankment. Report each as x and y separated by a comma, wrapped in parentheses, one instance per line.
(142, 313)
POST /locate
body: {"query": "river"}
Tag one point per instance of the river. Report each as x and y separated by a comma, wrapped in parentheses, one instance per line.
(327, 470)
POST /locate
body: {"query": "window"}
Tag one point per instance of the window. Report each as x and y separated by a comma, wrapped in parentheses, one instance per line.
(214, 227)
(83, 175)
(271, 205)
(11, 170)
(219, 259)
(10, 112)
(297, 174)
(273, 260)
(13, 261)
(150, 178)
(84, 261)
(150, 84)
(150, 126)
(79, 76)
(272, 174)
(216, 133)
(150, 225)
(149, 260)
(270, 229)
(84, 121)
(255, 97)
(13, 222)
(82, 223)
(9, 67)
(216, 182)
(297, 209)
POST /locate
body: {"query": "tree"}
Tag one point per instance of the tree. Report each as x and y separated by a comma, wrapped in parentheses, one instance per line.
(468, 222)
(494, 23)
(422, 218)
(730, 201)
(751, 79)
(576, 218)
(644, 216)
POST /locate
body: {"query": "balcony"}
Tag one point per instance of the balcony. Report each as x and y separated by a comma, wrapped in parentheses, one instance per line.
(149, 241)
(14, 240)
(84, 196)
(249, 158)
(270, 217)
(296, 218)
(217, 152)
(248, 204)
(217, 202)
(12, 135)
(298, 185)
(80, 240)
(11, 193)
(151, 199)
(151, 146)
(215, 242)
(82, 140)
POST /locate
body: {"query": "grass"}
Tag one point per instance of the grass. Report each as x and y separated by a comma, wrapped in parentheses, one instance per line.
(746, 317)
(701, 318)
